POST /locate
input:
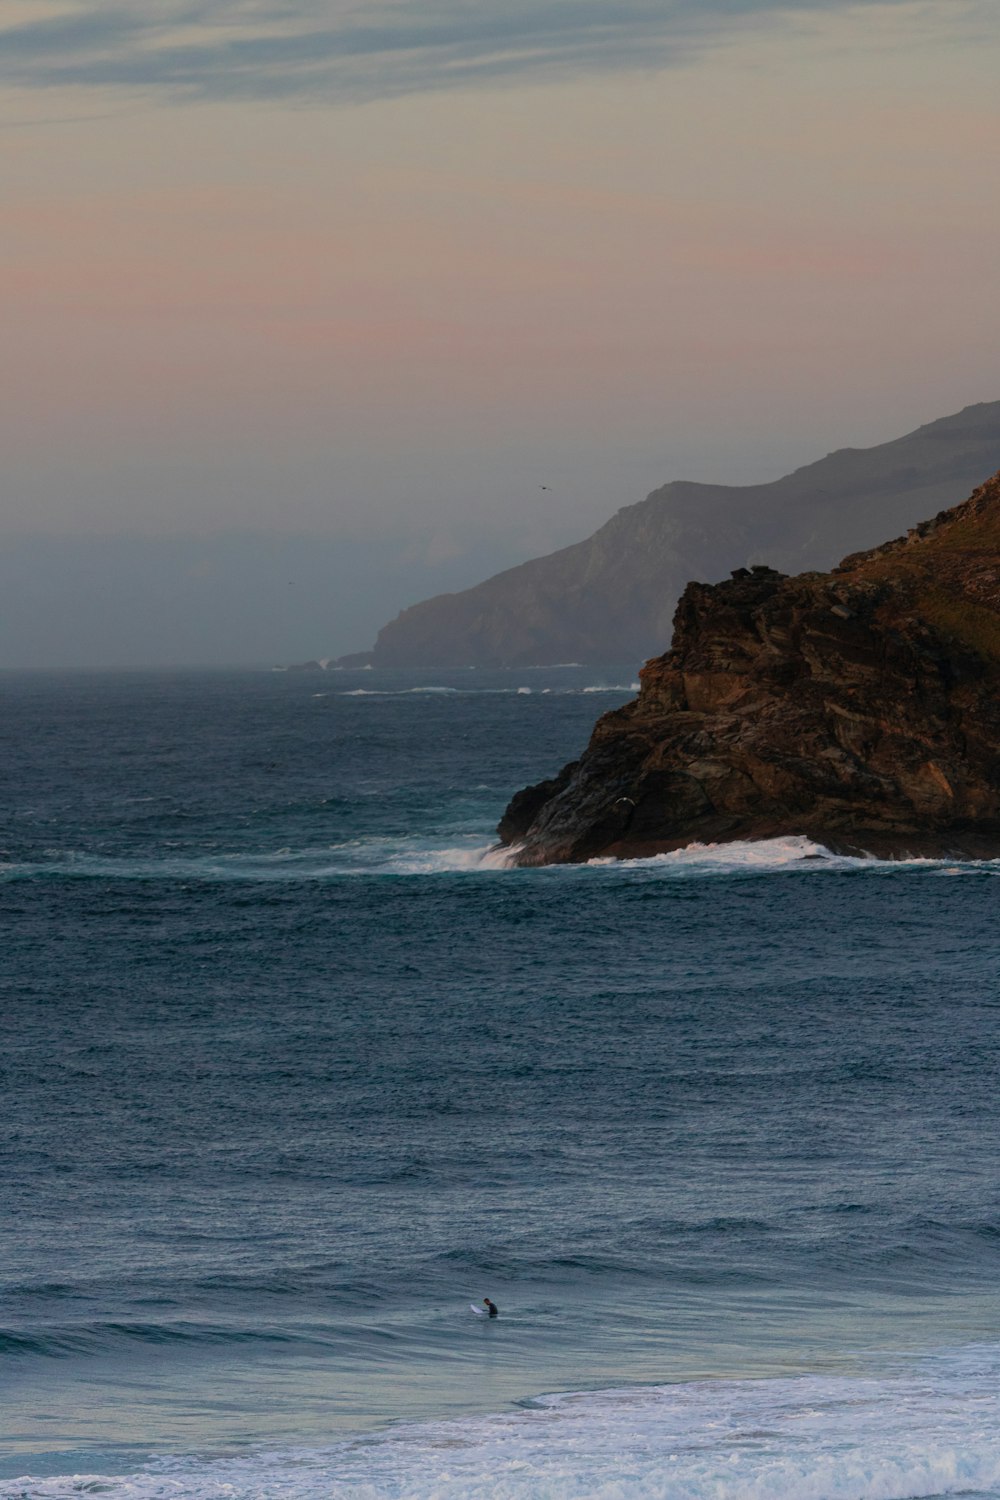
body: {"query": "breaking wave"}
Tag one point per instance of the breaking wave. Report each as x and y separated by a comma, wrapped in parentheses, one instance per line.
(359, 857)
(472, 854)
(793, 852)
(926, 1429)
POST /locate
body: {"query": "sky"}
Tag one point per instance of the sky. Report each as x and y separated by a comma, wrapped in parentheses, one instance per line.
(303, 301)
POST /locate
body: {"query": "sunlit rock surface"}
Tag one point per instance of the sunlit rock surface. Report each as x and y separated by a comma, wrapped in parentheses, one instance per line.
(860, 707)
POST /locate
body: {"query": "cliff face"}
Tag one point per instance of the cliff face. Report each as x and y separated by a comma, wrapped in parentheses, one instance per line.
(860, 707)
(611, 597)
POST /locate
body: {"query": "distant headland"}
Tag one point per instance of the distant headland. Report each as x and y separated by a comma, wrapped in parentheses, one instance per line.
(610, 598)
(859, 707)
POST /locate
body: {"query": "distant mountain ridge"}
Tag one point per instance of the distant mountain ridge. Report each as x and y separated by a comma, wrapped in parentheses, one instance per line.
(612, 596)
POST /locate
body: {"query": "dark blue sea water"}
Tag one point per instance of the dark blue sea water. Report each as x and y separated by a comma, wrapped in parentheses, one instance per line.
(294, 1070)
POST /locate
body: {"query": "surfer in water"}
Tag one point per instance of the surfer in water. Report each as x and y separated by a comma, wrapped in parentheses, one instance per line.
(491, 1308)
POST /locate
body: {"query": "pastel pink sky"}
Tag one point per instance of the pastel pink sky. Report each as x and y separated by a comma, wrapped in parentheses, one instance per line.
(343, 315)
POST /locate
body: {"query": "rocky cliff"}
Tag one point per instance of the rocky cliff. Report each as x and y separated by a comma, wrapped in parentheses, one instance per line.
(860, 707)
(611, 597)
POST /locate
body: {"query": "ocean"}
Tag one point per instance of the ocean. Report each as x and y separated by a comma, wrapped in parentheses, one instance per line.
(295, 1069)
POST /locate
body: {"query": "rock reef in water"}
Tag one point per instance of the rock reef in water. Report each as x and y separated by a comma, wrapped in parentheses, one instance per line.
(859, 707)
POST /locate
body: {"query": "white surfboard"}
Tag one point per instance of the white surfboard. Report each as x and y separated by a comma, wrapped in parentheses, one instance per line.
(480, 1312)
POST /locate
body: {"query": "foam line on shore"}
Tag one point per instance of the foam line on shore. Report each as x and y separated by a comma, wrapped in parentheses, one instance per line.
(908, 1433)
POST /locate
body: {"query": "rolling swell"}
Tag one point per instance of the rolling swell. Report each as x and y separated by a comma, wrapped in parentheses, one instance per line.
(60, 1342)
(271, 1127)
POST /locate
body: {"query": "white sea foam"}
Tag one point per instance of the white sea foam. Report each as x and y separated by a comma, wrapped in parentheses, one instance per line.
(398, 692)
(792, 852)
(469, 853)
(357, 857)
(741, 854)
(907, 1433)
(435, 861)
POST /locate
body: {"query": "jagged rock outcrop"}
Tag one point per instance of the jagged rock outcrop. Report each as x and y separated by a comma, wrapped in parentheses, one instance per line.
(610, 598)
(859, 707)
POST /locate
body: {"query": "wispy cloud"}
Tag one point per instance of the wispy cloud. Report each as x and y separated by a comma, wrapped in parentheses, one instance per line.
(333, 48)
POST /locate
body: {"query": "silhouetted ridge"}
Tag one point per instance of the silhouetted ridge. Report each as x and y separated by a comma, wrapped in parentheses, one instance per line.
(612, 596)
